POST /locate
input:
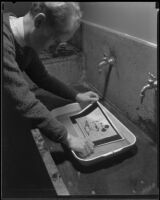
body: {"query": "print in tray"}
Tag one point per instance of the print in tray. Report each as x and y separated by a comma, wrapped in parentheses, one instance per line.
(95, 125)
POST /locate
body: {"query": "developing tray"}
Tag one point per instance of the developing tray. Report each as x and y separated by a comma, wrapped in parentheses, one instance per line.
(103, 149)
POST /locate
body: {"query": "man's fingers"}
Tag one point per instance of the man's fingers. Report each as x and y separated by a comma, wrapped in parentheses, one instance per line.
(90, 144)
(83, 153)
(84, 147)
(93, 99)
(93, 96)
(87, 149)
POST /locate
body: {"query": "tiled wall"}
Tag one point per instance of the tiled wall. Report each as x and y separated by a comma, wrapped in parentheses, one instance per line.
(67, 69)
(134, 59)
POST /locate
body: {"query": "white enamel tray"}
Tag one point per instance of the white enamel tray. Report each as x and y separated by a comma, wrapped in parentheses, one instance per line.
(101, 152)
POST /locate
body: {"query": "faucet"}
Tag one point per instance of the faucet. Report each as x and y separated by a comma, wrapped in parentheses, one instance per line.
(105, 60)
(151, 84)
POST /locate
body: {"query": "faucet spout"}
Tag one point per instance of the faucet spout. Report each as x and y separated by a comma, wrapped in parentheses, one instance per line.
(105, 60)
(143, 91)
(145, 88)
(151, 84)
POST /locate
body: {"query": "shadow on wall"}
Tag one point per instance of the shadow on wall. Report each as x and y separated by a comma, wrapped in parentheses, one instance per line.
(149, 127)
(18, 8)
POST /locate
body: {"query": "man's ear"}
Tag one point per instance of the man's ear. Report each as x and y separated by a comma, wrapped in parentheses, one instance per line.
(39, 19)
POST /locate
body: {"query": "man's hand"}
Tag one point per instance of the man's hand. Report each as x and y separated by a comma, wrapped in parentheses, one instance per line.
(80, 145)
(87, 97)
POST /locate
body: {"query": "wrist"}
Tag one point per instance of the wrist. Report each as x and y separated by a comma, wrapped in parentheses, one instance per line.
(67, 141)
(78, 97)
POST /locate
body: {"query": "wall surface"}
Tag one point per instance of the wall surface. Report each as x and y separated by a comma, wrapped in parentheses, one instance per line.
(18, 8)
(138, 19)
(134, 59)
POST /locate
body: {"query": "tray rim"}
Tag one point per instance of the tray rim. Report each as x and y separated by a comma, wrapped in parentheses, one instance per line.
(108, 153)
(85, 160)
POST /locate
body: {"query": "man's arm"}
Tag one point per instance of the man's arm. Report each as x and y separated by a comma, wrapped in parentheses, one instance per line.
(38, 74)
(16, 89)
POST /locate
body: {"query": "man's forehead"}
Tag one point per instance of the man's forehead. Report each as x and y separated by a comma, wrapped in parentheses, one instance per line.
(72, 25)
(54, 4)
(72, 21)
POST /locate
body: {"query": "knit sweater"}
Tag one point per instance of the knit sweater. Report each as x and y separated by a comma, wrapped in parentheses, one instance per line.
(16, 90)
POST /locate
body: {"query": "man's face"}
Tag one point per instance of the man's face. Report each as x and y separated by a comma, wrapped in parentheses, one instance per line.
(45, 36)
(41, 37)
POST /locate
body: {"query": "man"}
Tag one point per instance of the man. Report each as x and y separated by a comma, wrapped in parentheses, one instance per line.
(23, 39)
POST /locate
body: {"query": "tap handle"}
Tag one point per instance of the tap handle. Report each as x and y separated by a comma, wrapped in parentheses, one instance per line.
(151, 76)
(151, 79)
(108, 59)
(105, 57)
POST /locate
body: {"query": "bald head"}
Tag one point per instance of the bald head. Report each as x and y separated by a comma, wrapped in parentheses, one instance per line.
(63, 16)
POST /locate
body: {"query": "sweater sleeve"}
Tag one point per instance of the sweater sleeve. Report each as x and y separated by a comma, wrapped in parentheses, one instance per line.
(38, 74)
(16, 89)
